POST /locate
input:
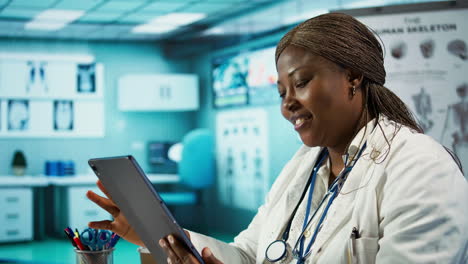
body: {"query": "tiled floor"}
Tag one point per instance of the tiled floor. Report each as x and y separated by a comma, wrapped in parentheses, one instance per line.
(54, 251)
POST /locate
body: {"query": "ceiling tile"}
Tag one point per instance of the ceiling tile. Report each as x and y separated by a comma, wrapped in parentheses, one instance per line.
(207, 8)
(77, 5)
(109, 32)
(139, 17)
(19, 13)
(77, 30)
(121, 5)
(165, 7)
(100, 17)
(6, 26)
(32, 3)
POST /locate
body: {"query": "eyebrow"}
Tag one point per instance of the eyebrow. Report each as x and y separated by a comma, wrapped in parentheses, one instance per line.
(292, 72)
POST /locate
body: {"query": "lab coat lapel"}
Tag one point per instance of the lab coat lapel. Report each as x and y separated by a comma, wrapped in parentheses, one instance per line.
(296, 189)
(343, 205)
(285, 207)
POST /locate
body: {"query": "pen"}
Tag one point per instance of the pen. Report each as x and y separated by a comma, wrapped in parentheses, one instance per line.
(77, 232)
(70, 237)
(79, 244)
(70, 231)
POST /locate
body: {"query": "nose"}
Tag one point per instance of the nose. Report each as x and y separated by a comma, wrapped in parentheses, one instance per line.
(290, 103)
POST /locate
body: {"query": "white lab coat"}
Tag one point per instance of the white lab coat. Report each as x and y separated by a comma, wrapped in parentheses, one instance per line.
(409, 203)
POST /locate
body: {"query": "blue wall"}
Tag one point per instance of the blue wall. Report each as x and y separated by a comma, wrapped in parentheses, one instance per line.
(125, 132)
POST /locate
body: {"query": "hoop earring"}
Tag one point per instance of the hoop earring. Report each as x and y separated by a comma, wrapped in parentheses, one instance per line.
(354, 90)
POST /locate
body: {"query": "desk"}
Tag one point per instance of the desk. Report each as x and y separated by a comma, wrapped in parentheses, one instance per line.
(88, 179)
(41, 204)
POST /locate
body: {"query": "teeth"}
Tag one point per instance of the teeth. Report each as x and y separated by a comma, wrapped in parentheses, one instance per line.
(299, 121)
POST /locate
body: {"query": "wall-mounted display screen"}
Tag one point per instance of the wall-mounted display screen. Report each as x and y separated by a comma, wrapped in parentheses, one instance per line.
(245, 78)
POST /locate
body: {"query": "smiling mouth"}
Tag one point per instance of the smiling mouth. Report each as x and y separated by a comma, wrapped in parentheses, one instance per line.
(299, 122)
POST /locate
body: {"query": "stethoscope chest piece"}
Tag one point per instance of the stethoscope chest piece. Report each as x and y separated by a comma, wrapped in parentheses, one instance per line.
(276, 251)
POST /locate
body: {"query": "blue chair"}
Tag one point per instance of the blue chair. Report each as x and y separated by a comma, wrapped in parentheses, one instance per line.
(196, 167)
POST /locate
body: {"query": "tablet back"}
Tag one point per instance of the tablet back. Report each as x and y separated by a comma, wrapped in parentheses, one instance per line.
(144, 209)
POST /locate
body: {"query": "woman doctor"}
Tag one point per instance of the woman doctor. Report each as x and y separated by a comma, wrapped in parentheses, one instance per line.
(367, 186)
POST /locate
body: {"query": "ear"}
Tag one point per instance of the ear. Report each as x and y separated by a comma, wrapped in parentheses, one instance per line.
(354, 78)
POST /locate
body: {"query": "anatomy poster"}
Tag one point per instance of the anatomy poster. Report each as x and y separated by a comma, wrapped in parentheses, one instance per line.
(427, 64)
(242, 151)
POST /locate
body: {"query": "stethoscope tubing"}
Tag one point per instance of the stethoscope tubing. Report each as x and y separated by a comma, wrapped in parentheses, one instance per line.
(334, 190)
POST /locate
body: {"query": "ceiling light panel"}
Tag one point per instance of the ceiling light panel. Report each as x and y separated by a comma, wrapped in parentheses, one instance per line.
(139, 17)
(32, 3)
(153, 29)
(59, 15)
(53, 19)
(178, 19)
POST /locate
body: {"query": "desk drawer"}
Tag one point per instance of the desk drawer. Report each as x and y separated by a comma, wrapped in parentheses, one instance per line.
(15, 197)
(16, 216)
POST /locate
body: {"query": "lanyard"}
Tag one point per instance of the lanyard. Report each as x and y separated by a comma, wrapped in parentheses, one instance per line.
(333, 190)
(311, 181)
(277, 249)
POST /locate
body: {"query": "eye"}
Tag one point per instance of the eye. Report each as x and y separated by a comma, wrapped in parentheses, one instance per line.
(282, 94)
(301, 84)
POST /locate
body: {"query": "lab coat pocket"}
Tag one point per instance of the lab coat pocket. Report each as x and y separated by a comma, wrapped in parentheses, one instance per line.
(363, 250)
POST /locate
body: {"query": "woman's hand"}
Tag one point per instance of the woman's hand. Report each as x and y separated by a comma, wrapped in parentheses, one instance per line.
(120, 225)
(178, 253)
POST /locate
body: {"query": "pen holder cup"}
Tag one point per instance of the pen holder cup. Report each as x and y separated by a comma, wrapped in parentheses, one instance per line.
(95, 257)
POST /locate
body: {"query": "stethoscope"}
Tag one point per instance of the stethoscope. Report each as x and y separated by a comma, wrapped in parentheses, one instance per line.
(277, 250)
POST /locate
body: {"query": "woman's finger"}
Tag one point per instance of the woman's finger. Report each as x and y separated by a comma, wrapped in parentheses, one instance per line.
(188, 234)
(171, 255)
(103, 189)
(104, 203)
(105, 224)
(183, 254)
(209, 258)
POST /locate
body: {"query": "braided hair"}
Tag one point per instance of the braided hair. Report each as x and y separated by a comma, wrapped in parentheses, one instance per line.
(344, 40)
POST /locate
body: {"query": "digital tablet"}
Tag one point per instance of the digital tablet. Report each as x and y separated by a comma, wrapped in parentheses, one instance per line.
(144, 209)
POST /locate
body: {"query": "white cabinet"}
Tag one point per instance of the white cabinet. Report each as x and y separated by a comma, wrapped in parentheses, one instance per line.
(16, 214)
(158, 92)
(81, 210)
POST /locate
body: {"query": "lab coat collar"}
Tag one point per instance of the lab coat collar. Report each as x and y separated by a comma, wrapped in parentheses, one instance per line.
(357, 142)
(341, 210)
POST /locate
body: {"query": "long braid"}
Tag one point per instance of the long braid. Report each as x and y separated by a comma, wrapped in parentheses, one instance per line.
(384, 101)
